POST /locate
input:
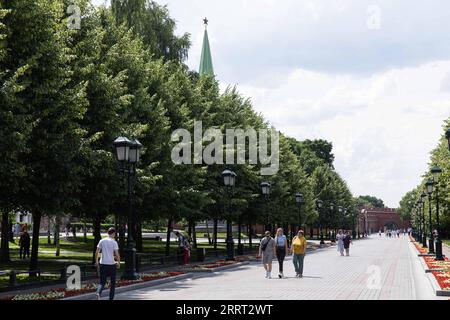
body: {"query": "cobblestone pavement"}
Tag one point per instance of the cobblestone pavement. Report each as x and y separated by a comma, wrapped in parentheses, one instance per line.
(377, 269)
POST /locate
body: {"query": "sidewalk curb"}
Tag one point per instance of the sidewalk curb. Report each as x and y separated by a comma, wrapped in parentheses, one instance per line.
(434, 284)
(91, 296)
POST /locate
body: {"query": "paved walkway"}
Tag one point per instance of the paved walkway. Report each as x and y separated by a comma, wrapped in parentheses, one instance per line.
(378, 269)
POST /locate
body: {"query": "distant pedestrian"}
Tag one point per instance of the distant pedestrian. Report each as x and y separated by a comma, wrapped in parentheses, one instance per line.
(379, 232)
(298, 250)
(184, 247)
(398, 233)
(24, 244)
(109, 249)
(340, 238)
(281, 250)
(347, 242)
(267, 250)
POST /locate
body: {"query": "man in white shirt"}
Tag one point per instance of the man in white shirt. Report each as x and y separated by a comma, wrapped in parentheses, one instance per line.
(109, 249)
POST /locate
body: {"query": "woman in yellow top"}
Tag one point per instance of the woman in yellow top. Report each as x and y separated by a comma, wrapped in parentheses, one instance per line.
(298, 250)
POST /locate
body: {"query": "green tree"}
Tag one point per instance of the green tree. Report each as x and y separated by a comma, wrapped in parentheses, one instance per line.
(372, 201)
(153, 23)
(54, 105)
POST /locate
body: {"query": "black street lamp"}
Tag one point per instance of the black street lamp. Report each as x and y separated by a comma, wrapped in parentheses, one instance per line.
(299, 201)
(416, 212)
(319, 204)
(429, 187)
(229, 181)
(424, 229)
(265, 190)
(340, 218)
(447, 135)
(436, 171)
(128, 154)
(365, 223)
(353, 223)
(332, 206)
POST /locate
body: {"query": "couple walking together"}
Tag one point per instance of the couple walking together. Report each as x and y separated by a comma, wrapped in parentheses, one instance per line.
(344, 241)
(270, 247)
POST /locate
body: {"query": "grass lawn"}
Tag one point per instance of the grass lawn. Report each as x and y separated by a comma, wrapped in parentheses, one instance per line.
(76, 251)
(446, 241)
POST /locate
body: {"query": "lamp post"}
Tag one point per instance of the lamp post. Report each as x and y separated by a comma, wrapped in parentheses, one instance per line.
(265, 190)
(340, 218)
(353, 223)
(429, 187)
(332, 206)
(365, 230)
(319, 204)
(416, 212)
(424, 229)
(128, 155)
(299, 201)
(229, 180)
(436, 171)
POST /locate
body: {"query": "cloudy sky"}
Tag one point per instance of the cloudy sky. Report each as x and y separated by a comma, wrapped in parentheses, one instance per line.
(373, 76)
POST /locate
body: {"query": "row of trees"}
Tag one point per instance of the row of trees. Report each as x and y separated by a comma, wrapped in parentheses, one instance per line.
(440, 157)
(66, 94)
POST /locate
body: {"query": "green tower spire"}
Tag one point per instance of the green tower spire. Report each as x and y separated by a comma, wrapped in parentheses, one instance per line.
(206, 65)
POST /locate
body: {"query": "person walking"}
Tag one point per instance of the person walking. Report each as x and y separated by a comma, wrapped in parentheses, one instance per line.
(379, 232)
(267, 251)
(298, 249)
(109, 249)
(24, 244)
(281, 250)
(340, 239)
(347, 242)
(183, 247)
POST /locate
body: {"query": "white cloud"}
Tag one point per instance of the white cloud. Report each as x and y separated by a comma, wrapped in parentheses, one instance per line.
(315, 70)
(383, 126)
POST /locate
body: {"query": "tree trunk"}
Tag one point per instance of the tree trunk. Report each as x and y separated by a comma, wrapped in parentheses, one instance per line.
(116, 226)
(215, 234)
(207, 232)
(85, 232)
(169, 230)
(4, 254)
(57, 228)
(239, 230)
(139, 245)
(49, 232)
(97, 234)
(74, 232)
(190, 229)
(195, 234)
(121, 237)
(35, 242)
(250, 234)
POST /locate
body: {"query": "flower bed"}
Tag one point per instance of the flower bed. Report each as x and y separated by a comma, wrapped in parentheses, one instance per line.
(89, 288)
(418, 246)
(443, 278)
(432, 263)
(213, 265)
